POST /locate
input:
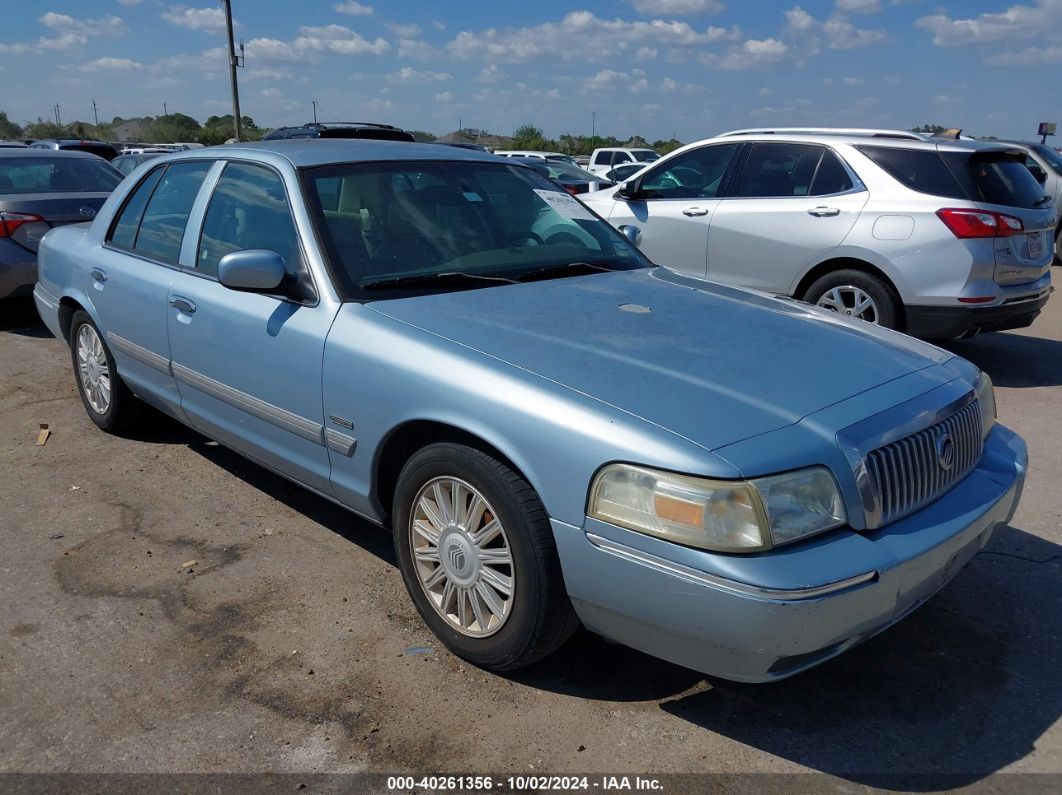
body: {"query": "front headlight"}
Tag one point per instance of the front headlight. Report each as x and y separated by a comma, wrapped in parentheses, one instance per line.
(986, 399)
(721, 515)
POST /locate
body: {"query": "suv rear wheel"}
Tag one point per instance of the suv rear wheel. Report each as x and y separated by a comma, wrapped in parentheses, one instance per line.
(856, 294)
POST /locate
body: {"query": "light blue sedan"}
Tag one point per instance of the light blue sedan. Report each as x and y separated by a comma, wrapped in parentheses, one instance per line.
(556, 430)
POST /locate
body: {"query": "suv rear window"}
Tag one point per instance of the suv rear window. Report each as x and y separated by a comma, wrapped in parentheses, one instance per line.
(104, 151)
(997, 177)
(922, 170)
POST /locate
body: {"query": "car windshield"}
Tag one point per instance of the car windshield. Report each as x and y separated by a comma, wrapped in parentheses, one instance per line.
(562, 171)
(404, 223)
(57, 175)
(645, 155)
(1052, 156)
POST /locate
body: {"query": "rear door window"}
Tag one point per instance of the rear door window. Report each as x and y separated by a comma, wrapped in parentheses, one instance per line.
(123, 233)
(166, 214)
(778, 170)
(922, 170)
(831, 177)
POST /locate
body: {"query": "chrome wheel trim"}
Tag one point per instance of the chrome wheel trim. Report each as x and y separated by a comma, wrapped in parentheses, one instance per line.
(93, 370)
(849, 300)
(461, 557)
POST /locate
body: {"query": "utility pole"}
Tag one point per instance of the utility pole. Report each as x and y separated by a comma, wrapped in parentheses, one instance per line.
(593, 129)
(165, 109)
(233, 63)
(96, 116)
(314, 101)
(58, 119)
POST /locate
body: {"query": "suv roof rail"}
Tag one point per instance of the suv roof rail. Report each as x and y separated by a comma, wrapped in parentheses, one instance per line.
(848, 131)
(324, 125)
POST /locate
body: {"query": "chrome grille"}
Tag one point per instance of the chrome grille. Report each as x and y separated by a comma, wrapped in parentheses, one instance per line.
(909, 473)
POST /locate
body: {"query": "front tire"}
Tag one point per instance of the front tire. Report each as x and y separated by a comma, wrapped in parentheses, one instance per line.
(107, 400)
(858, 295)
(478, 558)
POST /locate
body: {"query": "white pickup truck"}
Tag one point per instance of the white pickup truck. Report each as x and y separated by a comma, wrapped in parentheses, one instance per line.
(602, 160)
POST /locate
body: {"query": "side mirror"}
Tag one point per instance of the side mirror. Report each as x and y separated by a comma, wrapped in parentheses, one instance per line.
(633, 234)
(1038, 174)
(631, 189)
(253, 270)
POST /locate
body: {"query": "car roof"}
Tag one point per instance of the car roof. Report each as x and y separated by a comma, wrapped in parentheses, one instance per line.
(308, 152)
(40, 152)
(937, 144)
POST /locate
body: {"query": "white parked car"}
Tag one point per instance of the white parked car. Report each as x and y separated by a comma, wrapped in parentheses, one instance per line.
(602, 160)
(557, 156)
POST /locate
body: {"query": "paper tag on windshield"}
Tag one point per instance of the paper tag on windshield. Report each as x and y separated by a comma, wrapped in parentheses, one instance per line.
(564, 205)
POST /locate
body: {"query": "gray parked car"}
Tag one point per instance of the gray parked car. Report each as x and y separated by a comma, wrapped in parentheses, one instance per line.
(1045, 164)
(938, 238)
(449, 344)
(40, 190)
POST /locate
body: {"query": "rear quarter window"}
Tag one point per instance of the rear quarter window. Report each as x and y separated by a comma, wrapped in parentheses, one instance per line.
(922, 170)
(997, 178)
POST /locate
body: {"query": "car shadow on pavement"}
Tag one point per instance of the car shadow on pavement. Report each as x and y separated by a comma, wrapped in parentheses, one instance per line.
(1014, 360)
(957, 691)
(19, 316)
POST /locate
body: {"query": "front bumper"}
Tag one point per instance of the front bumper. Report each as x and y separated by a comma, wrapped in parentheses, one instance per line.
(757, 618)
(948, 322)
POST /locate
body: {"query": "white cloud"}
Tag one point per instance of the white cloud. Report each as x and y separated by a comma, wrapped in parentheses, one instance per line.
(271, 93)
(752, 53)
(645, 53)
(764, 92)
(69, 32)
(852, 81)
(354, 9)
(130, 3)
(668, 84)
(1019, 21)
(859, 6)
(111, 64)
(491, 74)
(678, 7)
(837, 33)
(417, 50)
(1029, 56)
(408, 73)
(208, 19)
(581, 34)
(405, 31)
(339, 40)
(444, 96)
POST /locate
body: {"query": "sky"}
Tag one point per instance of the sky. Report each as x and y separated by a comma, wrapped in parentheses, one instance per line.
(657, 68)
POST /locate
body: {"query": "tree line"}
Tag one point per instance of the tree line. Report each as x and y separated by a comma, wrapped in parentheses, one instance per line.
(168, 128)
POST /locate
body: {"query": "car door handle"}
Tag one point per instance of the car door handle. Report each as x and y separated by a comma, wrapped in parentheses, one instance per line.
(182, 304)
(694, 212)
(99, 275)
(824, 212)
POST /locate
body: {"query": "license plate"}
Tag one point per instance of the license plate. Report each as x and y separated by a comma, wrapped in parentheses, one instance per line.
(1036, 245)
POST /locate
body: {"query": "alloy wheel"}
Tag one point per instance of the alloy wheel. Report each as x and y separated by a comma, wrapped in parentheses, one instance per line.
(93, 370)
(462, 557)
(849, 300)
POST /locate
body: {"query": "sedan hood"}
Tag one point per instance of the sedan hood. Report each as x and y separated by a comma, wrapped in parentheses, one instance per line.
(711, 363)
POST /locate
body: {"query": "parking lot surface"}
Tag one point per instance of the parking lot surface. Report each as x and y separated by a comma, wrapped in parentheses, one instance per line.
(170, 607)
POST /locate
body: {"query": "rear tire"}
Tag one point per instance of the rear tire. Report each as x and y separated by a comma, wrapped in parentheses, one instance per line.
(858, 295)
(107, 400)
(1058, 245)
(478, 558)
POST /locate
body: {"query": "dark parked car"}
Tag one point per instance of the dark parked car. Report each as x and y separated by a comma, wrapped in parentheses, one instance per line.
(471, 147)
(98, 148)
(128, 163)
(341, 129)
(39, 190)
(573, 179)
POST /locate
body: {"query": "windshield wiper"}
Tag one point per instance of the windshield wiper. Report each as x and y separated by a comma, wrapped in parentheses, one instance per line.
(415, 279)
(553, 270)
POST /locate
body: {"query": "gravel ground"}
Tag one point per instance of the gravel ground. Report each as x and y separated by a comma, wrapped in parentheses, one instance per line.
(168, 606)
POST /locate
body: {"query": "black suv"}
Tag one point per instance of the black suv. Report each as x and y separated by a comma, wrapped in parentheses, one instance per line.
(90, 145)
(341, 129)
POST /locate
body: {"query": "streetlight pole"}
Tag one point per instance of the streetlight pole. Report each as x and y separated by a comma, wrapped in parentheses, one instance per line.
(593, 129)
(96, 116)
(165, 108)
(314, 101)
(233, 63)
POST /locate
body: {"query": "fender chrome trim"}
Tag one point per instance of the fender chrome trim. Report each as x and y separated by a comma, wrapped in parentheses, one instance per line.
(715, 581)
(340, 442)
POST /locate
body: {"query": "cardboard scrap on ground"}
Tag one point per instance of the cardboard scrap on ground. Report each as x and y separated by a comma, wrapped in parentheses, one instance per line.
(43, 434)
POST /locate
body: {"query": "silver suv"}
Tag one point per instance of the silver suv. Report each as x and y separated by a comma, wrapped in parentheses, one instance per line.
(938, 238)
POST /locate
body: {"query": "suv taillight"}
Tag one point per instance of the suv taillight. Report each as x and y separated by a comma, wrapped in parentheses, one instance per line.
(965, 223)
(9, 222)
